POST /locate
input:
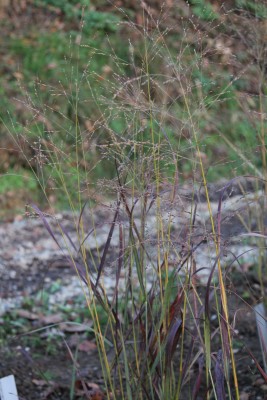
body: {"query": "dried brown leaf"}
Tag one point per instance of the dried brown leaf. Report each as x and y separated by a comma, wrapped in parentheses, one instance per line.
(51, 319)
(87, 346)
(27, 314)
(74, 327)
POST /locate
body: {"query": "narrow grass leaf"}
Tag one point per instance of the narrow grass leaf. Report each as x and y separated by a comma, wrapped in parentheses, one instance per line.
(199, 377)
(260, 369)
(219, 377)
(207, 318)
(46, 223)
(173, 336)
(104, 255)
(207, 296)
(85, 238)
(67, 236)
(254, 234)
(80, 216)
(138, 266)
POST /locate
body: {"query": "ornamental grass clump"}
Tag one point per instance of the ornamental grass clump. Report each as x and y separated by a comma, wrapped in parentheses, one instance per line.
(167, 333)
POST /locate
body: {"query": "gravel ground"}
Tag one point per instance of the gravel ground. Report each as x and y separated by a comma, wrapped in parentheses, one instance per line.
(30, 259)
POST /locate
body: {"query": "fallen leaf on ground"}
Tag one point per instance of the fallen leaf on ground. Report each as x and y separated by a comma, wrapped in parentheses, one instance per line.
(74, 327)
(89, 389)
(41, 382)
(27, 314)
(87, 346)
(51, 319)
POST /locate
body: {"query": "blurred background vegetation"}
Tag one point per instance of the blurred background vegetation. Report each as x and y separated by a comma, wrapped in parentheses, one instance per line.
(72, 71)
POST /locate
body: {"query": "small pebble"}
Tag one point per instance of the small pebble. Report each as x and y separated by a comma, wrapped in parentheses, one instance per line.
(13, 274)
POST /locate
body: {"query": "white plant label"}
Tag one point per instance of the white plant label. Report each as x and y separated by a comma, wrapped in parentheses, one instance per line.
(8, 390)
